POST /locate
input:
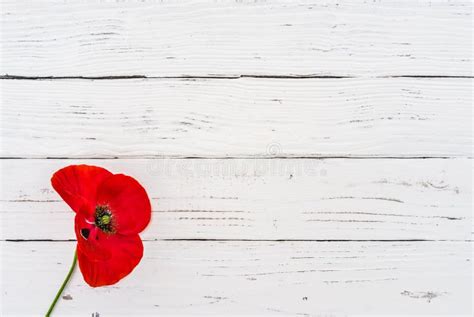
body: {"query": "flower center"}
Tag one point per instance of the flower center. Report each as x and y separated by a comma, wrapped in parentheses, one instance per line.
(104, 219)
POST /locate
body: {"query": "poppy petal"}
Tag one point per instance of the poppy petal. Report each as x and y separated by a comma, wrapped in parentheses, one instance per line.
(125, 252)
(77, 185)
(127, 201)
(94, 243)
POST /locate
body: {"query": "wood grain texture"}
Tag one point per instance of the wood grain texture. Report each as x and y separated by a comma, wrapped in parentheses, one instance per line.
(306, 158)
(400, 117)
(233, 38)
(251, 278)
(262, 199)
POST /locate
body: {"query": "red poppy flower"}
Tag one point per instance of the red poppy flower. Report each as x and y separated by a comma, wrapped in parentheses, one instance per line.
(111, 210)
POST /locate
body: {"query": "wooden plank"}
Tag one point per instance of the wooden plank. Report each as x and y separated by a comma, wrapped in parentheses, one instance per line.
(262, 199)
(237, 118)
(230, 38)
(258, 278)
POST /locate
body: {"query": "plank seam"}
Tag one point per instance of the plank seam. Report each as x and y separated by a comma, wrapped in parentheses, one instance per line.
(260, 157)
(256, 240)
(302, 76)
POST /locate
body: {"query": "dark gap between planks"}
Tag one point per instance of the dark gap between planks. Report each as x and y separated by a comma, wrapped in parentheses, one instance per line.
(254, 240)
(250, 157)
(308, 76)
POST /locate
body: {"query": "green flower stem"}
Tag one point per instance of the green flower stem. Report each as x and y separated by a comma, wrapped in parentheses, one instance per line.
(66, 280)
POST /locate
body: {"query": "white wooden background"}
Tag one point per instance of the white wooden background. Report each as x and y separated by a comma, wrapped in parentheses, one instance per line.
(303, 157)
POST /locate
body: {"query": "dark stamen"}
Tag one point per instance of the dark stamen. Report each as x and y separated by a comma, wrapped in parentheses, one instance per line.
(104, 219)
